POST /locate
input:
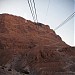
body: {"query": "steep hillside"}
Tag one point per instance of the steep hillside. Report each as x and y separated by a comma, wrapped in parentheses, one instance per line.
(18, 35)
(31, 48)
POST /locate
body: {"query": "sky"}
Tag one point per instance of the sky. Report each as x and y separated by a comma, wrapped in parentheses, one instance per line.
(53, 16)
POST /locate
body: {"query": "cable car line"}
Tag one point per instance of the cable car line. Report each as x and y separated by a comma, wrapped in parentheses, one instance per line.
(69, 18)
(33, 10)
(47, 9)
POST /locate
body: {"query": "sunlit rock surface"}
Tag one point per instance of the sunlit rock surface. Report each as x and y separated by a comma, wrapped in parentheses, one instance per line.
(28, 48)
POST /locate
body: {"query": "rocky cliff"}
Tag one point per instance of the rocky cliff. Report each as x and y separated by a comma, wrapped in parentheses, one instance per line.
(32, 48)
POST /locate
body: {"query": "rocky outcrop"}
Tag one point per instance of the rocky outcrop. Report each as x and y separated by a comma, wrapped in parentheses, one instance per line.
(32, 48)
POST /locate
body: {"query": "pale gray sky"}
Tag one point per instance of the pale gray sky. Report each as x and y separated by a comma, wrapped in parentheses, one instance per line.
(58, 11)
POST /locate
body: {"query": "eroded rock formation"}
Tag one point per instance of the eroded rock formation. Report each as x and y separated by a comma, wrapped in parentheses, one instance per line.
(33, 49)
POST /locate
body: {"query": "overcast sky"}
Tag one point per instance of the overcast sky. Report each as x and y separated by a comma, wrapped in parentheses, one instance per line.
(58, 11)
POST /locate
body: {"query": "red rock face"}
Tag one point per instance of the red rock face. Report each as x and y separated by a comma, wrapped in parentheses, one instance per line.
(32, 46)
